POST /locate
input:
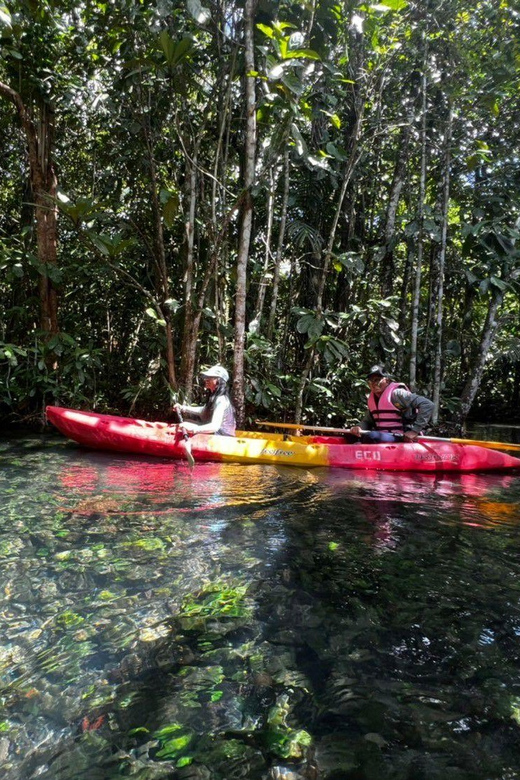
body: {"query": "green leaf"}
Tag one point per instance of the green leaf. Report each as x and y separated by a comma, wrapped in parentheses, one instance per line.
(292, 82)
(5, 17)
(171, 209)
(266, 30)
(310, 54)
(388, 5)
(172, 728)
(167, 45)
(175, 52)
(333, 150)
(496, 282)
(396, 5)
(275, 390)
(182, 50)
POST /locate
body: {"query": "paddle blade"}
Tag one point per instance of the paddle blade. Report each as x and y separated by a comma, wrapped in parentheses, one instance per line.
(187, 443)
(490, 445)
(189, 455)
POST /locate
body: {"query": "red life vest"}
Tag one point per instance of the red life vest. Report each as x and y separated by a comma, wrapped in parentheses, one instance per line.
(387, 417)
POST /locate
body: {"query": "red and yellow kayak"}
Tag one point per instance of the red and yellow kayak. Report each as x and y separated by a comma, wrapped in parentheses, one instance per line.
(125, 434)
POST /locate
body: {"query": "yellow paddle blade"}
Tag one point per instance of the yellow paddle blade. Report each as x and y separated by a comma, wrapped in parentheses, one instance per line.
(490, 445)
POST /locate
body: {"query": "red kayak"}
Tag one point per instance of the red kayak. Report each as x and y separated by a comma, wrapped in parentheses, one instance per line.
(125, 434)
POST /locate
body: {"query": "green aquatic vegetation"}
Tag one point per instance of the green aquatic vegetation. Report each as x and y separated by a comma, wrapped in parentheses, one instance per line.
(69, 619)
(149, 543)
(173, 740)
(515, 710)
(108, 595)
(280, 738)
(217, 601)
(200, 685)
(10, 547)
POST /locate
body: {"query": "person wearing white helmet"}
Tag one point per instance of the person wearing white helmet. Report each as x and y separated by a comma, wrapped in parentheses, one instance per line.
(217, 415)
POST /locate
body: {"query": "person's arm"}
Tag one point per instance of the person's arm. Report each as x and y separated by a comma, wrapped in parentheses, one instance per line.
(192, 411)
(366, 424)
(415, 405)
(214, 424)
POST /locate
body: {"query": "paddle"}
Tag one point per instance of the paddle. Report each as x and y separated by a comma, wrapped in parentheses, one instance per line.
(490, 445)
(187, 442)
(295, 427)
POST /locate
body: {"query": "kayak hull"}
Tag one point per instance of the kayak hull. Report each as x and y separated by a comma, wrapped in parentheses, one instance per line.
(125, 434)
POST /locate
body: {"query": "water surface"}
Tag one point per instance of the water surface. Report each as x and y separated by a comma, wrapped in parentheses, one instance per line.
(254, 622)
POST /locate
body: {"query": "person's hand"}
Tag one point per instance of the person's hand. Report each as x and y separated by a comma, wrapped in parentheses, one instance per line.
(189, 427)
(355, 430)
(178, 408)
(410, 436)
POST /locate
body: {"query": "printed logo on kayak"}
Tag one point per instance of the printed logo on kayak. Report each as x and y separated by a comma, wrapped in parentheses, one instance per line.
(430, 457)
(367, 455)
(287, 453)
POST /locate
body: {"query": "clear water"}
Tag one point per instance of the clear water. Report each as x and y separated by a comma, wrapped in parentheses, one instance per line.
(254, 622)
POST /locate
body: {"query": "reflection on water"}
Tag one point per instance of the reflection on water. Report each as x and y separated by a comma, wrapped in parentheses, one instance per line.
(255, 622)
(495, 432)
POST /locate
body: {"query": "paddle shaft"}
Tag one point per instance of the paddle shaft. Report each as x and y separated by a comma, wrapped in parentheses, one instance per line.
(490, 445)
(187, 442)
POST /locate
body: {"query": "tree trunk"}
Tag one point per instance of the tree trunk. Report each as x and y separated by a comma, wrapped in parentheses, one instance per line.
(246, 221)
(353, 158)
(399, 178)
(40, 146)
(437, 374)
(189, 336)
(416, 298)
(489, 330)
(264, 281)
(280, 246)
(403, 309)
(162, 271)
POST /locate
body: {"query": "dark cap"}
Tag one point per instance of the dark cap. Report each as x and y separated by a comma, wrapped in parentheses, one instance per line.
(378, 371)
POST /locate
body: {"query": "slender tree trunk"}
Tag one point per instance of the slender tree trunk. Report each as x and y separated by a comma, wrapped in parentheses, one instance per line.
(353, 158)
(40, 145)
(403, 308)
(282, 357)
(189, 336)
(399, 178)
(161, 268)
(437, 375)
(416, 298)
(246, 214)
(487, 336)
(159, 251)
(280, 246)
(264, 281)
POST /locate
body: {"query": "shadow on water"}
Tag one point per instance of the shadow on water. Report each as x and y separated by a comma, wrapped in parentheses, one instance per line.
(256, 622)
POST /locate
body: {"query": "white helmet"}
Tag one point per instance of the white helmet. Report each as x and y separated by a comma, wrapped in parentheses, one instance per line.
(216, 372)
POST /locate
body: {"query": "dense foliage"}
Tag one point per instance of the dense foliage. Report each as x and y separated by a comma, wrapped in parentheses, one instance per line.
(380, 223)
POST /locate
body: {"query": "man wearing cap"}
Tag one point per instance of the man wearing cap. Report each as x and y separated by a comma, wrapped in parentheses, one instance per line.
(217, 415)
(394, 412)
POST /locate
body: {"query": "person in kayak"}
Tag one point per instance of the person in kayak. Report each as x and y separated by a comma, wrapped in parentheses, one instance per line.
(394, 412)
(217, 415)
